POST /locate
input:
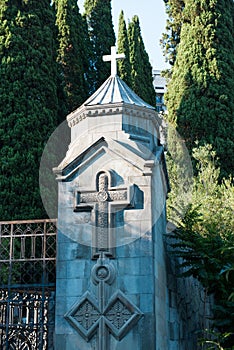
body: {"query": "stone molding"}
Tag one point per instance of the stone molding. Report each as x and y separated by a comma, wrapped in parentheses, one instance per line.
(105, 145)
(116, 108)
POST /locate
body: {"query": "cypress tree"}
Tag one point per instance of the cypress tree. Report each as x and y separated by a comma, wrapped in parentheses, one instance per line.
(72, 54)
(102, 36)
(171, 39)
(141, 69)
(29, 103)
(124, 67)
(200, 95)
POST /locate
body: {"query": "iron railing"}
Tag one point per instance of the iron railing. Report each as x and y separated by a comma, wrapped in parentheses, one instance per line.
(27, 284)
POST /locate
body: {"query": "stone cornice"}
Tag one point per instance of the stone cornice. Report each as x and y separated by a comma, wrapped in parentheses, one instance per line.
(111, 109)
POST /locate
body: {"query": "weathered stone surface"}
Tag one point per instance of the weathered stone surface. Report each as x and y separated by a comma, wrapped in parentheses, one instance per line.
(116, 285)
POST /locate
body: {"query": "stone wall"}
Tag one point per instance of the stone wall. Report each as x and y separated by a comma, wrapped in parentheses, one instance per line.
(189, 309)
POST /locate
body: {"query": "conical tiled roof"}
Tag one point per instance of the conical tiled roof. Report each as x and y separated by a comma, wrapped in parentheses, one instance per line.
(115, 90)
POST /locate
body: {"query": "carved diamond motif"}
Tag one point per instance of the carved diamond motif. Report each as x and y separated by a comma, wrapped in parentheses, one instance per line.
(121, 315)
(84, 316)
(118, 314)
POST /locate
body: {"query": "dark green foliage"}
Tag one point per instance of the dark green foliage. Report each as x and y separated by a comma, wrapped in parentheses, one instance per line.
(73, 57)
(200, 98)
(29, 103)
(204, 238)
(136, 69)
(201, 105)
(171, 39)
(124, 67)
(102, 36)
(208, 256)
(141, 69)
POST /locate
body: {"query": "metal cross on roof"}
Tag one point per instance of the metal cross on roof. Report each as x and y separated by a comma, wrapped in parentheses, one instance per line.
(113, 57)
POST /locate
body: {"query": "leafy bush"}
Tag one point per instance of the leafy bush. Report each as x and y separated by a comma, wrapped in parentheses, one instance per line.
(204, 239)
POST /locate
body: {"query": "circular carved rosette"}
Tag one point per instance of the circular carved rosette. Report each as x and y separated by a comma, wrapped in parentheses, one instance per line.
(102, 196)
(103, 272)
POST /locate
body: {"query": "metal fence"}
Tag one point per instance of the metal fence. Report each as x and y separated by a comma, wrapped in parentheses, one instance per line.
(27, 284)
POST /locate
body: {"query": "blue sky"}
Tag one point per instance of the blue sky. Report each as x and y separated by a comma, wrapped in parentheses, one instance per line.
(152, 21)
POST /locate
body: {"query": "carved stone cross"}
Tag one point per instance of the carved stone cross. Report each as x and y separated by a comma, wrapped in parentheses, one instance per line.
(105, 201)
(113, 57)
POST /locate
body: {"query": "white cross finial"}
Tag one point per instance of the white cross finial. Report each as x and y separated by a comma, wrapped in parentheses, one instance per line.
(113, 57)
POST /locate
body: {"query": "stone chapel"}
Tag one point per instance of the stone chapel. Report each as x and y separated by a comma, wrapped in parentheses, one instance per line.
(116, 286)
